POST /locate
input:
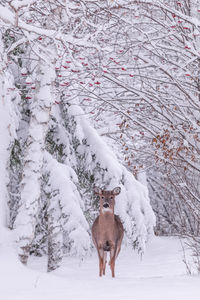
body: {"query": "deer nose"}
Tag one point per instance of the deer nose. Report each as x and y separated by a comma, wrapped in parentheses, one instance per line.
(106, 205)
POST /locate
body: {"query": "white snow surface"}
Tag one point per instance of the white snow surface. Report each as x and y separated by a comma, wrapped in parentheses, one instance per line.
(160, 275)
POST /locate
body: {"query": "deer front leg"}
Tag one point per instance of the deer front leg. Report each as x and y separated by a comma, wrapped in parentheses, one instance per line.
(101, 257)
(104, 262)
(112, 260)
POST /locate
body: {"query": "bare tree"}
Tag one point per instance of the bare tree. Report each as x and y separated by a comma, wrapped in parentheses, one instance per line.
(151, 84)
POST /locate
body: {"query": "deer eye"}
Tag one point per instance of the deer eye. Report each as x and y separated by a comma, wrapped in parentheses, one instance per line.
(111, 198)
(102, 197)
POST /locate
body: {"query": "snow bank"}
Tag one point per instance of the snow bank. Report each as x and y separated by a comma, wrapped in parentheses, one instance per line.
(160, 275)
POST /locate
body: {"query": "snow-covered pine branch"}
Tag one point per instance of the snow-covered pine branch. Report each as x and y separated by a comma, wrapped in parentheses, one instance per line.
(63, 179)
(132, 204)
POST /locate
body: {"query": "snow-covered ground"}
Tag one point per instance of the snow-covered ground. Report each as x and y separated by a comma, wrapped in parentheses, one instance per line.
(159, 275)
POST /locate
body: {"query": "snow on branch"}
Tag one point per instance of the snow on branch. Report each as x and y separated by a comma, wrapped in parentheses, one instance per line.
(63, 179)
(9, 116)
(18, 4)
(7, 16)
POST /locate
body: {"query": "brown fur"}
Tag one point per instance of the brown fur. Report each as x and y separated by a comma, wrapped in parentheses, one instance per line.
(107, 230)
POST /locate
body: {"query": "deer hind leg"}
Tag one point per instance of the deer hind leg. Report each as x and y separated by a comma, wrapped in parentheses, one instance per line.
(118, 248)
(104, 262)
(101, 260)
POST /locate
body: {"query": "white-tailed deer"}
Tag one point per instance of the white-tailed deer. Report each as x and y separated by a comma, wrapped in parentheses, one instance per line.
(107, 230)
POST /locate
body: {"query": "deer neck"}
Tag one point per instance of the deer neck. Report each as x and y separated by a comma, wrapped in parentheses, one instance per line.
(106, 215)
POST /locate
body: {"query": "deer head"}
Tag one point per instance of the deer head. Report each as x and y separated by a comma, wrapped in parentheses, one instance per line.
(107, 199)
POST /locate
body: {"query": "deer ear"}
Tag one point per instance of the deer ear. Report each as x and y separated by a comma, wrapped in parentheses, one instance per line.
(97, 190)
(116, 191)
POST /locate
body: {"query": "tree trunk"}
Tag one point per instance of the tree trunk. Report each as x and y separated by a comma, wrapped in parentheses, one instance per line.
(40, 109)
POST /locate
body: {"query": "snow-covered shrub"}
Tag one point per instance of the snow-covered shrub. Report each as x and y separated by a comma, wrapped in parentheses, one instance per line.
(68, 207)
(9, 116)
(98, 161)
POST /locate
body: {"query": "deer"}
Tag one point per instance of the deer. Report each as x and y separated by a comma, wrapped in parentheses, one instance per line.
(107, 229)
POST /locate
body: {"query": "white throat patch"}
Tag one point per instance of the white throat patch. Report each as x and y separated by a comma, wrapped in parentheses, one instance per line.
(106, 210)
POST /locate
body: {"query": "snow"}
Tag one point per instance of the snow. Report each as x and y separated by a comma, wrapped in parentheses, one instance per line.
(8, 124)
(17, 4)
(26, 219)
(161, 274)
(63, 178)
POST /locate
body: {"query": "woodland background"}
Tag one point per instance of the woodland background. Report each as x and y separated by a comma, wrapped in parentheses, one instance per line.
(99, 93)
